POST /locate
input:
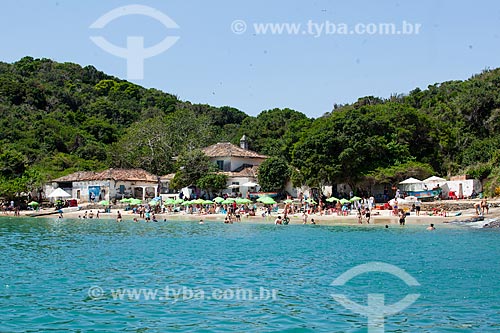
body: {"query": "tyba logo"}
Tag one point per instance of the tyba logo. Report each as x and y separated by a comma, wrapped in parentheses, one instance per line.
(135, 52)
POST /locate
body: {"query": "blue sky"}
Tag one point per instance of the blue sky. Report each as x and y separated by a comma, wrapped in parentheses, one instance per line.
(255, 72)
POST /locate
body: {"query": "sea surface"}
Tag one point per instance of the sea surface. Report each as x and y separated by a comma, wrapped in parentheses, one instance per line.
(180, 276)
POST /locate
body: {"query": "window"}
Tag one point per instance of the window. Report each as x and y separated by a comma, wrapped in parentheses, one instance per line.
(220, 165)
(78, 194)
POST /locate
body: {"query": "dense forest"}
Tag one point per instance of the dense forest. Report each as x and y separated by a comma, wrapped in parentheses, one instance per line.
(57, 118)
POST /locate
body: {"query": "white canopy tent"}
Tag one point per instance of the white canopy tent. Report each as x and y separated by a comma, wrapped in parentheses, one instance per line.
(59, 193)
(411, 184)
(411, 180)
(434, 179)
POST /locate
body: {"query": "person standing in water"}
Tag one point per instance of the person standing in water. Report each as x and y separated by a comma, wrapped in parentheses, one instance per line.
(119, 217)
(402, 217)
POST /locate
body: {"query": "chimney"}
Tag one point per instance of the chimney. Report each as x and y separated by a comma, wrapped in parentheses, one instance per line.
(243, 142)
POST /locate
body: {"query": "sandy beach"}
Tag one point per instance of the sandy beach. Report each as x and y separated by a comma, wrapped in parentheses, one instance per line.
(382, 217)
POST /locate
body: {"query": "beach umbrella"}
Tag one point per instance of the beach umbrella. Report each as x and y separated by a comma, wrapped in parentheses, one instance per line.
(179, 201)
(135, 202)
(266, 200)
(332, 199)
(355, 198)
(169, 201)
(104, 203)
(218, 199)
(288, 201)
(154, 202)
(126, 200)
(187, 203)
(344, 201)
(243, 201)
(227, 202)
(311, 201)
(207, 202)
(33, 204)
(197, 201)
(249, 184)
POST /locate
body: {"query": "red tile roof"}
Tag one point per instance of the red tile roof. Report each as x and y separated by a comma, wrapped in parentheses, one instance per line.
(227, 149)
(115, 174)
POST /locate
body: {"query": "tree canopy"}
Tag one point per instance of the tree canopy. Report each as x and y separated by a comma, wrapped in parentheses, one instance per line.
(58, 118)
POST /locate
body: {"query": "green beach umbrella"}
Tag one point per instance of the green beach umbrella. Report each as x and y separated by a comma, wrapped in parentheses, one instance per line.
(227, 202)
(218, 199)
(243, 201)
(207, 202)
(33, 204)
(355, 198)
(187, 203)
(154, 202)
(135, 202)
(288, 201)
(104, 203)
(332, 199)
(179, 201)
(198, 201)
(266, 200)
(126, 200)
(169, 201)
(311, 201)
(344, 201)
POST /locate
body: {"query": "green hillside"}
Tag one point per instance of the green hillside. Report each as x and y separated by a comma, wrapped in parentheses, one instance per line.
(56, 118)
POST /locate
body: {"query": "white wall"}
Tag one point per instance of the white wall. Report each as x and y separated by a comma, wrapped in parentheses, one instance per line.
(468, 186)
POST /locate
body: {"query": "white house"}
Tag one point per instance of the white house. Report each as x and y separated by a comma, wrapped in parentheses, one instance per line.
(239, 164)
(86, 186)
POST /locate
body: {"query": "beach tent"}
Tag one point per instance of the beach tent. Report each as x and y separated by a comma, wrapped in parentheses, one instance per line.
(411, 184)
(434, 179)
(411, 180)
(59, 193)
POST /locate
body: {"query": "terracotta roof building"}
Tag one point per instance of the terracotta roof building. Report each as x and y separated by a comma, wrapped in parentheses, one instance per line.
(110, 174)
(227, 149)
(109, 184)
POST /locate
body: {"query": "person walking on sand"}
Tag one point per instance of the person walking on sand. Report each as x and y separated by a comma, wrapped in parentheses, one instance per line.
(484, 206)
(367, 215)
(304, 218)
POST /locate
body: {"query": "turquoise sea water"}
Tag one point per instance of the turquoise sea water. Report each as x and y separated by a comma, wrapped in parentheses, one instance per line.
(48, 267)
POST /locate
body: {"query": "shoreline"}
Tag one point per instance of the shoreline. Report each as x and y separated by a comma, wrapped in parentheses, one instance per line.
(351, 220)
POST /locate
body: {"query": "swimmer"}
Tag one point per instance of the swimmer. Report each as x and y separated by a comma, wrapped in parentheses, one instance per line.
(431, 227)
